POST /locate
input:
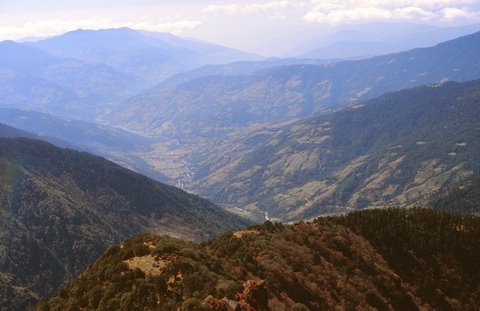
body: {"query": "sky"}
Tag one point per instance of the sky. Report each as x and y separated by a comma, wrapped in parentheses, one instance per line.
(249, 25)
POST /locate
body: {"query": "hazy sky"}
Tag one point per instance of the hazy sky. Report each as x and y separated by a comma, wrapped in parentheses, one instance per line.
(247, 25)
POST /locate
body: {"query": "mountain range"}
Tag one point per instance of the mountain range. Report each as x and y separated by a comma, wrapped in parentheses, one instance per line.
(296, 169)
(265, 139)
(35, 80)
(218, 104)
(149, 56)
(85, 73)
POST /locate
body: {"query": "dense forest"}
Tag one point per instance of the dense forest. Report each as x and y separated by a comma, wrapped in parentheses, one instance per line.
(388, 259)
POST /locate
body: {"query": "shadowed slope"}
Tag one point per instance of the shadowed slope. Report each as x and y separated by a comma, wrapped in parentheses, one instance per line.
(61, 209)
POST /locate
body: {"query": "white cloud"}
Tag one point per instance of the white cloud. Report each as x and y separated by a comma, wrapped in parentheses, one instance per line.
(253, 7)
(273, 5)
(344, 4)
(57, 26)
(412, 12)
(347, 16)
(450, 14)
(220, 8)
(278, 17)
(351, 11)
(175, 27)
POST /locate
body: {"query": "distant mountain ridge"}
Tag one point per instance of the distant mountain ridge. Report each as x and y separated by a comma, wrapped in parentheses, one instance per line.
(215, 105)
(35, 80)
(149, 56)
(62, 208)
(85, 73)
(373, 39)
(241, 68)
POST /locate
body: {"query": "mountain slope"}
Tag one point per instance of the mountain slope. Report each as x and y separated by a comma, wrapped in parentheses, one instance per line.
(115, 144)
(61, 209)
(11, 132)
(463, 197)
(372, 260)
(149, 56)
(215, 105)
(23, 91)
(391, 149)
(33, 79)
(240, 68)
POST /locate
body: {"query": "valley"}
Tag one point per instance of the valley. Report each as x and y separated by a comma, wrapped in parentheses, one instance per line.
(201, 131)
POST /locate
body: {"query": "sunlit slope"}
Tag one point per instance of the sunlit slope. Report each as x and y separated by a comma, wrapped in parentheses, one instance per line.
(393, 149)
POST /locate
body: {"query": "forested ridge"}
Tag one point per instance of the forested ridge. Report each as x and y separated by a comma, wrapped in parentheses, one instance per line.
(385, 259)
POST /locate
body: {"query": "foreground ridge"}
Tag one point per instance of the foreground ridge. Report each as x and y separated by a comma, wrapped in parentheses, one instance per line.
(392, 259)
